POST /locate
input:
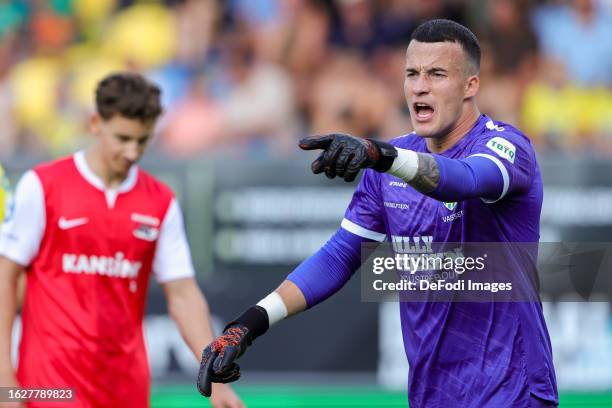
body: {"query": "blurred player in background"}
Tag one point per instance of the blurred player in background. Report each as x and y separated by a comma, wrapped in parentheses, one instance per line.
(88, 231)
(460, 354)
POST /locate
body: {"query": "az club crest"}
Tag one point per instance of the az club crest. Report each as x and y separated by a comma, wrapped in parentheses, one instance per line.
(146, 232)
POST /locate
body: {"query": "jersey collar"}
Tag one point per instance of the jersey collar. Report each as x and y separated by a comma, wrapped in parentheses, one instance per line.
(94, 180)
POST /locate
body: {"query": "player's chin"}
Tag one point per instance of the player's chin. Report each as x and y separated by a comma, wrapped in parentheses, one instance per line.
(425, 129)
(122, 169)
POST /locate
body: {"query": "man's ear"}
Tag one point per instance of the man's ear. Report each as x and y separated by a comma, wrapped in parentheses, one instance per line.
(472, 86)
(94, 124)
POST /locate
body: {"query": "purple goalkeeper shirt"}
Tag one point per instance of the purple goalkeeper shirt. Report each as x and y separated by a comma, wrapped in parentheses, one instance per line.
(466, 354)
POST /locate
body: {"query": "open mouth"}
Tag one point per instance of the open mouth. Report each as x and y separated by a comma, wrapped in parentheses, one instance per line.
(423, 111)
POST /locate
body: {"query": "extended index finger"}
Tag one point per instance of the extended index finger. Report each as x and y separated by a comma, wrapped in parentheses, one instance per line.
(315, 142)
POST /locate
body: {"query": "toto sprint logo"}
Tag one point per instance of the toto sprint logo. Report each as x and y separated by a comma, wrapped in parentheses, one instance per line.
(502, 148)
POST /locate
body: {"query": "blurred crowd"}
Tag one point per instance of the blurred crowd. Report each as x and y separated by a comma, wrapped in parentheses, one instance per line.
(253, 76)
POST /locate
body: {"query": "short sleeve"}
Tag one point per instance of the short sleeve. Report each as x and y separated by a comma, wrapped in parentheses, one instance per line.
(172, 256)
(24, 222)
(513, 155)
(364, 215)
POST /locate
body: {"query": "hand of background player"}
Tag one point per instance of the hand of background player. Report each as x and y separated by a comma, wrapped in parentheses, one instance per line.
(218, 358)
(344, 155)
(224, 397)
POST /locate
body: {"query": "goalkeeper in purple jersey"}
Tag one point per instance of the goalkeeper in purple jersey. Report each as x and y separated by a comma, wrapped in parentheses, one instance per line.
(457, 162)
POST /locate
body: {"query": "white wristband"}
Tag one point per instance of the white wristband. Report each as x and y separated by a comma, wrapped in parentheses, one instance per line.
(275, 307)
(405, 165)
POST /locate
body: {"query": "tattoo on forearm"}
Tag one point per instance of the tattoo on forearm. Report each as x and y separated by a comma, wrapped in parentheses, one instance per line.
(428, 175)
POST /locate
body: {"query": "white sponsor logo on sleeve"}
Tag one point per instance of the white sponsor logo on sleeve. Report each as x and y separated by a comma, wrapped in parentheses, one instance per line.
(502, 148)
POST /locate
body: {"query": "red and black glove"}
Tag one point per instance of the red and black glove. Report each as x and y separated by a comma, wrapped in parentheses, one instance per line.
(345, 155)
(219, 357)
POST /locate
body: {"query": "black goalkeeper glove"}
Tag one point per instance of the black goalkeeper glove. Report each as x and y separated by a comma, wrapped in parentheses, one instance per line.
(219, 357)
(345, 155)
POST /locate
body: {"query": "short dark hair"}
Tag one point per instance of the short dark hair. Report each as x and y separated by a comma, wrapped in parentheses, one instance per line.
(442, 30)
(128, 94)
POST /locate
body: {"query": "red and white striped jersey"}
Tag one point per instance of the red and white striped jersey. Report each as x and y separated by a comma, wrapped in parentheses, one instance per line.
(89, 252)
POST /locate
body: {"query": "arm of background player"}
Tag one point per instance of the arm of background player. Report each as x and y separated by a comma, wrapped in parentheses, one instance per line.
(9, 278)
(189, 309)
(174, 271)
(187, 306)
(453, 179)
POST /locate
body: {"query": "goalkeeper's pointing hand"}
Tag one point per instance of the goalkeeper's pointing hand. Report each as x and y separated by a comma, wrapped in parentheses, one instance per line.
(344, 155)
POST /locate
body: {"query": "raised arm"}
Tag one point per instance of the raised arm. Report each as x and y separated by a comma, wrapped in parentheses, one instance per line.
(433, 175)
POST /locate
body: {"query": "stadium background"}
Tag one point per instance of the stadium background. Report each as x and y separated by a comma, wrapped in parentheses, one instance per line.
(242, 81)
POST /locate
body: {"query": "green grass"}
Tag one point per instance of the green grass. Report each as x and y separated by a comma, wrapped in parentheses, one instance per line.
(321, 396)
